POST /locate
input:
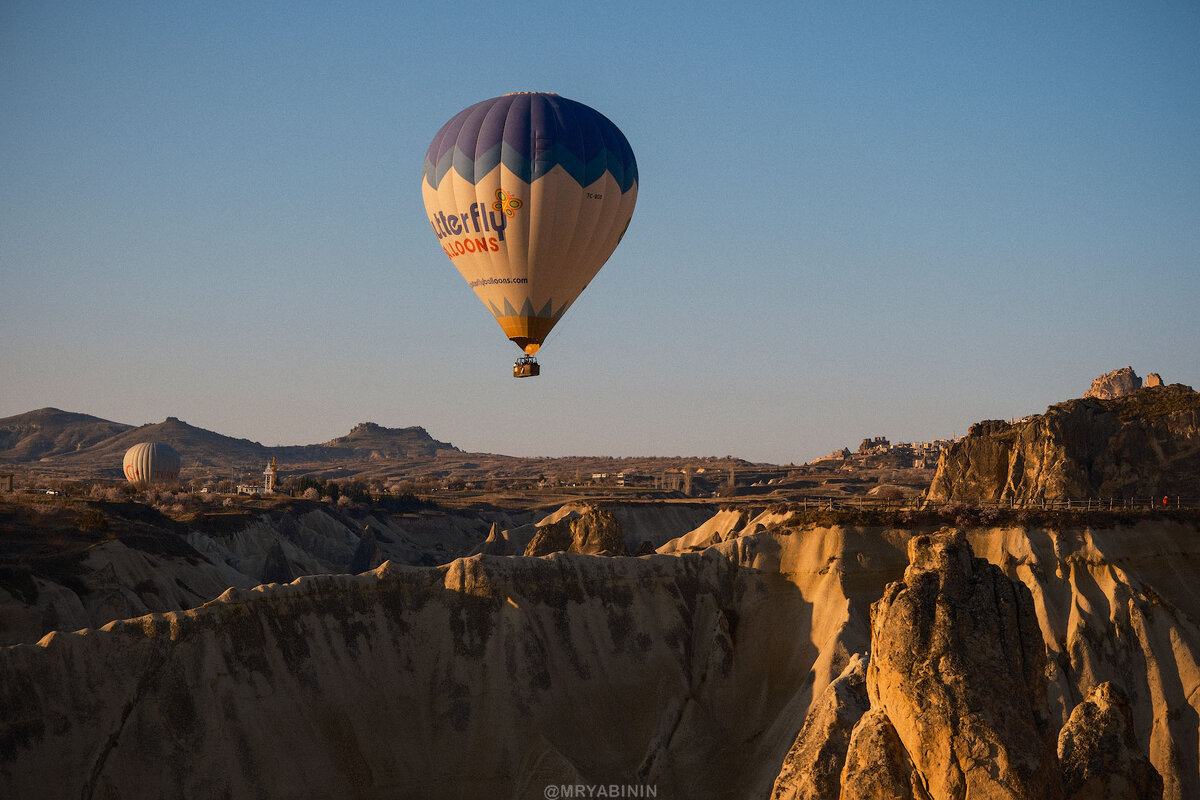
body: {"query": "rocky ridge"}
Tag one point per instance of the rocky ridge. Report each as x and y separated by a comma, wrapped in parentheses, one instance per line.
(57, 449)
(1142, 444)
(380, 442)
(117, 560)
(87, 446)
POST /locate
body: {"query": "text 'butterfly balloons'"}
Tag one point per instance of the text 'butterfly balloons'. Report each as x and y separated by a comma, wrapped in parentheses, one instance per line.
(529, 194)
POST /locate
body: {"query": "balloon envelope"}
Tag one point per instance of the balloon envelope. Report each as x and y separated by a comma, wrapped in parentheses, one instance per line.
(151, 462)
(529, 194)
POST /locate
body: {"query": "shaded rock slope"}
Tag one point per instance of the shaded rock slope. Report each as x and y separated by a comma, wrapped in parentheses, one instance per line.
(785, 659)
(87, 564)
(1099, 753)
(110, 560)
(49, 431)
(1143, 444)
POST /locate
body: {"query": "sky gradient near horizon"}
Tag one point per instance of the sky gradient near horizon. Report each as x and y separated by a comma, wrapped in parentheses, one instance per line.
(859, 219)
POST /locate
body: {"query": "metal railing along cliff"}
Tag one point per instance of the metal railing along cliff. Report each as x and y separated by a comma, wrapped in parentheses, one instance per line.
(1142, 504)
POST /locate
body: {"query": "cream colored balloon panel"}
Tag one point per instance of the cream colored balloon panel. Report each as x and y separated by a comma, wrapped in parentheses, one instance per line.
(601, 215)
(558, 271)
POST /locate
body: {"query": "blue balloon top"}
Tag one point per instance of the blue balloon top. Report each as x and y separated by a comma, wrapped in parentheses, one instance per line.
(531, 133)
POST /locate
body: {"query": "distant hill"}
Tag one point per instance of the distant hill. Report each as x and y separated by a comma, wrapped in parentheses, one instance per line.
(48, 445)
(1143, 444)
(84, 445)
(377, 441)
(197, 446)
(50, 432)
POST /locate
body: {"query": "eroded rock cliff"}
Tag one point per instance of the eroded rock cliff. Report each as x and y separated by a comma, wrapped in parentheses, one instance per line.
(109, 561)
(696, 673)
(121, 560)
(956, 701)
(470, 680)
(1144, 444)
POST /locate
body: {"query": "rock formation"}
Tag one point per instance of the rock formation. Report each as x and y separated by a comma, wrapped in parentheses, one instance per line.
(955, 702)
(1099, 752)
(1145, 444)
(461, 681)
(1117, 383)
(368, 437)
(877, 765)
(49, 431)
(958, 668)
(813, 767)
(587, 527)
(593, 531)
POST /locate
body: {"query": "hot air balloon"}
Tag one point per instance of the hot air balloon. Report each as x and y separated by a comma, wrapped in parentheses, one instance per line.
(529, 194)
(151, 462)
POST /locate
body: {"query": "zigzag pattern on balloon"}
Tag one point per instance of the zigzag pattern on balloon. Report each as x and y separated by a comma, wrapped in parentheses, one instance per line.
(527, 310)
(473, 170)
(531, 134)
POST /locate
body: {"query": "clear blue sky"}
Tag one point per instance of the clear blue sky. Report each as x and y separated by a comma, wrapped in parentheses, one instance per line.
(854, 219)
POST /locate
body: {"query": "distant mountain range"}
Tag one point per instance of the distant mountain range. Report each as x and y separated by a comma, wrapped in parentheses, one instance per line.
(87, 445)
(51, 444)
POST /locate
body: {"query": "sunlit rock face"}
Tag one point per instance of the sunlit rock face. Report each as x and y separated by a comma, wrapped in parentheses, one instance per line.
(1141, 445)
(877, 766)
(1117, 383)
(958, 666)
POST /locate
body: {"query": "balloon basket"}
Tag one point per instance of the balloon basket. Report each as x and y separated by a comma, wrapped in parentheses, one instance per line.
(526, 367)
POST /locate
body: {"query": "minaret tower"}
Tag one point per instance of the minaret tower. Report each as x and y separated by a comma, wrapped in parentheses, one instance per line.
(269, 476)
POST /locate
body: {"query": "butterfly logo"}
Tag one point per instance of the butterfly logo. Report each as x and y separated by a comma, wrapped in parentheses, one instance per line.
(506, 203)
